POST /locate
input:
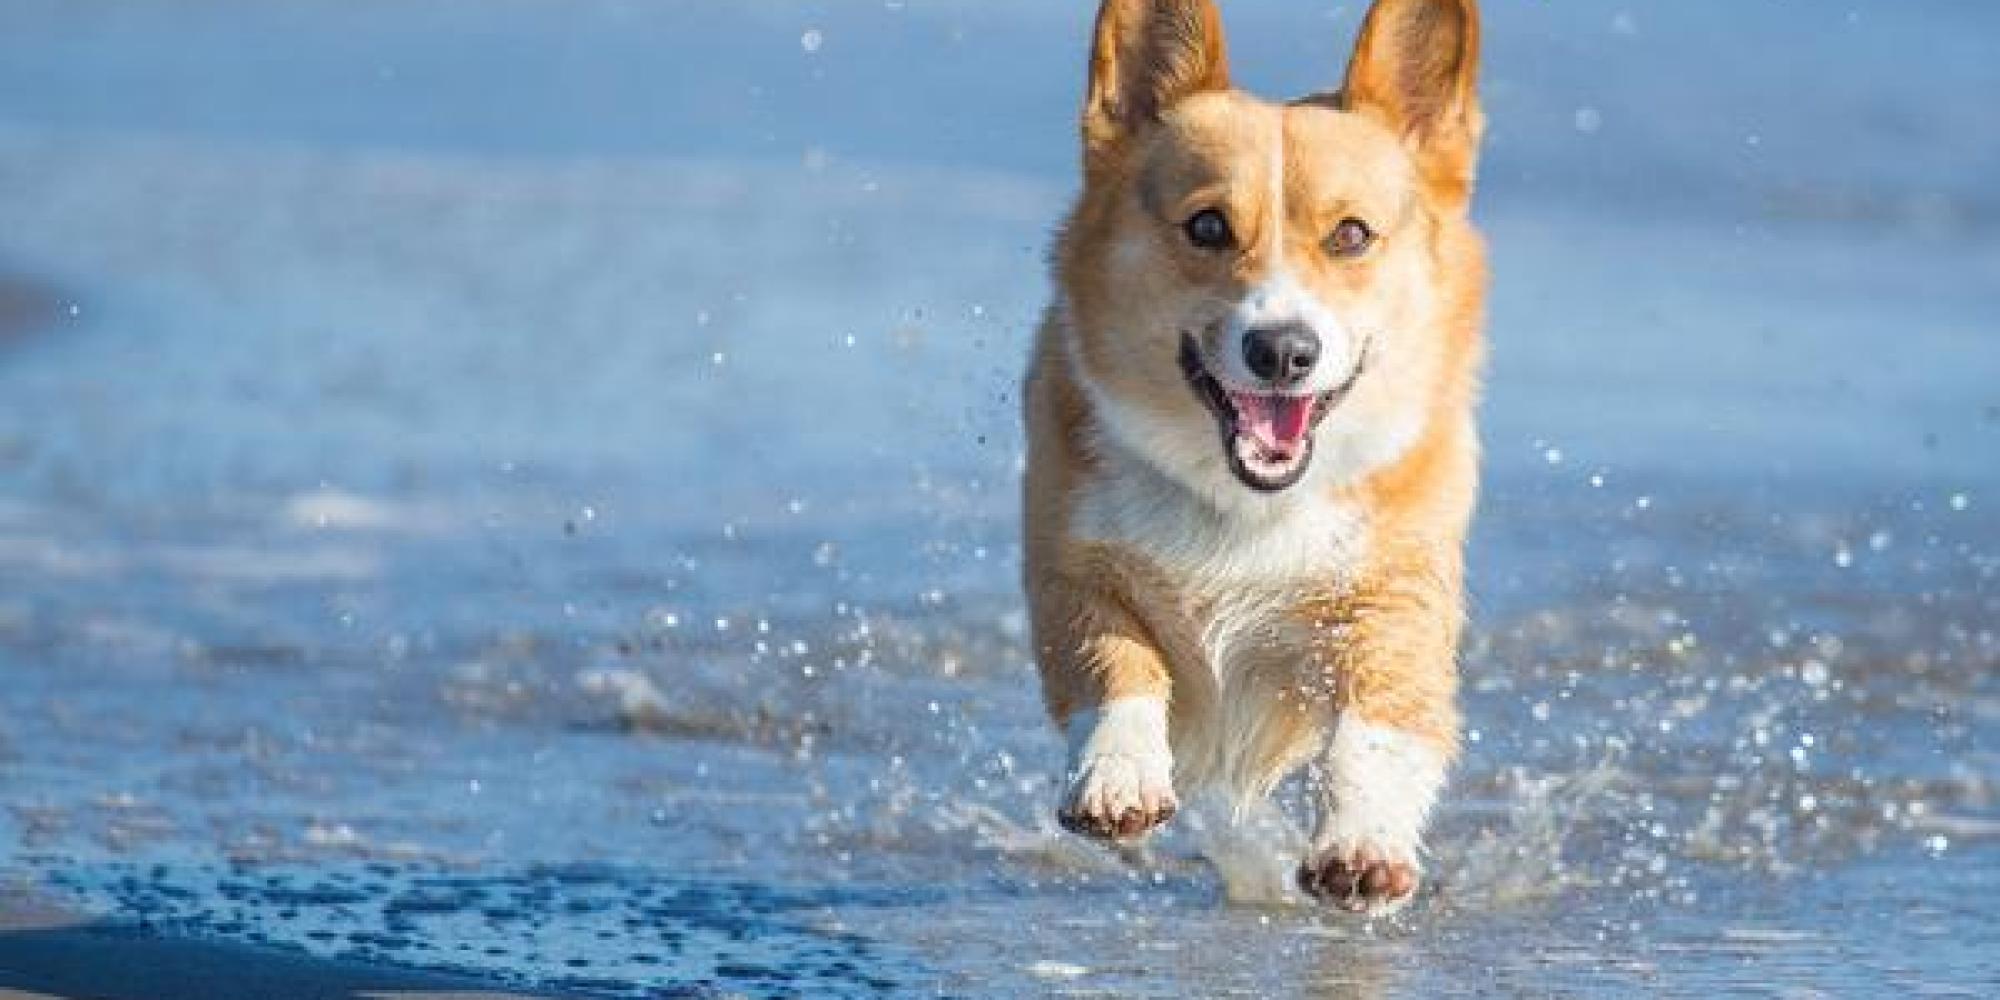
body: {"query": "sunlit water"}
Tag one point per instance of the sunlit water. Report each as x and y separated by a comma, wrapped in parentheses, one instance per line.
(540, 501)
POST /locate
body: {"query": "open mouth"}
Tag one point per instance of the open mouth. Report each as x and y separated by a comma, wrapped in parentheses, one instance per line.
(1267, 435)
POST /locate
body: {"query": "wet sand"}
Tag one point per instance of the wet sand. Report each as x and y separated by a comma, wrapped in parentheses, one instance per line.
(49, 953)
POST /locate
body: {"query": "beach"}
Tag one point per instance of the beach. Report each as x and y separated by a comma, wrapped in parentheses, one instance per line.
(499, 501)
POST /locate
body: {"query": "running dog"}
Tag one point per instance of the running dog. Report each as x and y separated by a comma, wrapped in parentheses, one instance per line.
(1252, 454)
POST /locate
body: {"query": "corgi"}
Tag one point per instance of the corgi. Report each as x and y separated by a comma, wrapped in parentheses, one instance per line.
(1251, 444)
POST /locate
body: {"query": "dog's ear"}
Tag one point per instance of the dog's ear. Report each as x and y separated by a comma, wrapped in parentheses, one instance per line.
(1148, 55)
(1416, 68)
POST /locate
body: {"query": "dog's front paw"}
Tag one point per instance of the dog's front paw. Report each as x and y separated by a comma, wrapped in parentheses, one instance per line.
(1119, 796)
(1376, 787)
(1359, 879)
(1121, 774)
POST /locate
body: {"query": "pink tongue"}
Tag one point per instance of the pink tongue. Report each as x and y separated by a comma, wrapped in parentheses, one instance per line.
(1278, 423)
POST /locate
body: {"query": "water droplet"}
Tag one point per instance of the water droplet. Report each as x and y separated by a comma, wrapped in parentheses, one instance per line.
(1055, 970)
(1814, 673)
(812, 40)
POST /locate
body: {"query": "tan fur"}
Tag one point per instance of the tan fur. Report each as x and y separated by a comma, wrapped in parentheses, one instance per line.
(1373, 630)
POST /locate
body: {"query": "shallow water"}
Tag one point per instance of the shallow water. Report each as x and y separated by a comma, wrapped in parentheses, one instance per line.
(495, 490)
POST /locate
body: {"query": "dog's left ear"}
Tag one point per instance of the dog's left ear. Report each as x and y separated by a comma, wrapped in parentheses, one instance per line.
(1416, 68)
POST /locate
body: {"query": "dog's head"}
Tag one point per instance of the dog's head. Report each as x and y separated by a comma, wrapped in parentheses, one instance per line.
(1281, 274)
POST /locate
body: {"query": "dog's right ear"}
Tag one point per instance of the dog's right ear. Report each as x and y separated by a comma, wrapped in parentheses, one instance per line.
(1148, 55)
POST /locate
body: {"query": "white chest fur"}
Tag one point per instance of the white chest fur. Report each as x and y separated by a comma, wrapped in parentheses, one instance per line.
(1214, 549)
(1238, 561)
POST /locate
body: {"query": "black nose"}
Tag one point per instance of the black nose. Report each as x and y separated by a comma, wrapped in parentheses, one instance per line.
(1281, 355)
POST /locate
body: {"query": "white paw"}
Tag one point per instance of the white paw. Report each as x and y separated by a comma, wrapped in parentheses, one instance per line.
(1376, 788)
(1118, 798)
(1121, 771)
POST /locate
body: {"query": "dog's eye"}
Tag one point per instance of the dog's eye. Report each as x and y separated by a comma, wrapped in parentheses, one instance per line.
(1351, 238)
(1208, 230)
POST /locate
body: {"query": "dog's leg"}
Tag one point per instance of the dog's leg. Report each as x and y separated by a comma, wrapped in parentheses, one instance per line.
(1107, 685)
(1394, 735)
(1375, 785)
(1121, 768)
